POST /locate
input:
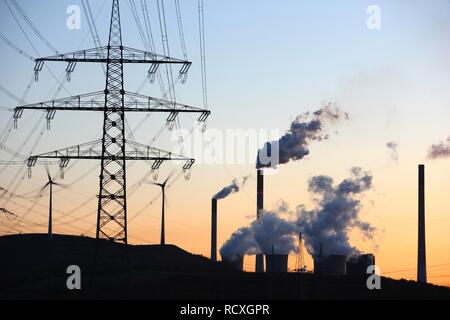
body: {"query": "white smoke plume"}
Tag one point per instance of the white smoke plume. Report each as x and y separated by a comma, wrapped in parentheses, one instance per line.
(270, 233)
(336, 214)
(274, 234)
(294, 145)
(393, 148)
(440, 150)
(233, 187)
(241, 243)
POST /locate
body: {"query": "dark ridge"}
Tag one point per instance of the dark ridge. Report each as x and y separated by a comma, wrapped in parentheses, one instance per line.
(33, 267)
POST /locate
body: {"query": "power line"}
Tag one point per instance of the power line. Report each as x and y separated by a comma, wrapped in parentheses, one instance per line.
(138, 23)
(27, 89)
(166, 48)
(33, 27)
(11, 95)
(413, 269)
(180, 28)
(16, 48)
(92, 27)
(32, 45)
(201, 27)
(152, 46)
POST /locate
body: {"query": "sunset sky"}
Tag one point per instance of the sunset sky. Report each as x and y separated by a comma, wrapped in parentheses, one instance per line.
(267, 62)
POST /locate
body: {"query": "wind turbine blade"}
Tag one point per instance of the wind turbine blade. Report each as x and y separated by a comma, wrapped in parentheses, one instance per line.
(171, 174)
(44, 187)
(62, 185)
(48, 173)
(149, 182)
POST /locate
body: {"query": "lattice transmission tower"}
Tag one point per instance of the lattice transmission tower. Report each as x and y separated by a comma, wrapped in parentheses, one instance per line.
(113, 150)
(300, 265)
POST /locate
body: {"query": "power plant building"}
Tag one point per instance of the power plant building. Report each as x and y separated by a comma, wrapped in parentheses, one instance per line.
(357, 265)
(237, 264)
(277, 262)
(334, 264)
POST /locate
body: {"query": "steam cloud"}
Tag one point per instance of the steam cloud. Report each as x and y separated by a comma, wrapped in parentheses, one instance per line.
(335, 215)
(241, 242)
(441, 150)
(294, 145)
(393, 147)
(231, 188)
(268, 234)
(274, 234)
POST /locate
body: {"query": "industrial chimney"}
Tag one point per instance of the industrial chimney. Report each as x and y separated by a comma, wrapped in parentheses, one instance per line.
(259, 267)
(214, 229)
(421, 256)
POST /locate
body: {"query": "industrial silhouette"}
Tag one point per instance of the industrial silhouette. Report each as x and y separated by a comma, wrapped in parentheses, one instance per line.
(196, 276)
(214, 229)
(421, 249)
(114, 102)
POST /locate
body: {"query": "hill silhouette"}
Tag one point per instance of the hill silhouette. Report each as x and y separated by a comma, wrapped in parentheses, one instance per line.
(33, 267)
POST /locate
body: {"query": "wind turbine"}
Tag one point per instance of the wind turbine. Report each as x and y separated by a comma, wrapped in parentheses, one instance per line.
(163, 190)
(9, 215)
(50, 184)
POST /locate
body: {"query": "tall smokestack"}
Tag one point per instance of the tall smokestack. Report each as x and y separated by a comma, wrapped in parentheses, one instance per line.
(259, 267)
(259, 192)
(214, 230)
(421, 256)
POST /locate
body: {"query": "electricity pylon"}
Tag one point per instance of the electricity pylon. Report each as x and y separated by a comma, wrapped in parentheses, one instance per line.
(113, 150)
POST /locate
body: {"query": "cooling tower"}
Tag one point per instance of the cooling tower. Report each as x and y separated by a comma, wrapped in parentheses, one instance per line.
(277, 262)
(214, 230)
(259, 206)
(237, 264)
(333, 264)
(358, 265)
(421, 254)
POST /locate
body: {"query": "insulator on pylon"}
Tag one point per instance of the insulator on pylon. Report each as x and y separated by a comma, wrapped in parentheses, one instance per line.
(36, 76)
(29, 172)
(155, 172)
(61, 173)
(151, 77)
(15, 123)
(187, 174)
(48, 124)
(183, 78)
(204, 125)
(170, 125)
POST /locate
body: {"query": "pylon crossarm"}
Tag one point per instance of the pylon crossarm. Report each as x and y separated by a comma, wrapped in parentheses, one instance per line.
(89, 101)
(100, 55)
(152, 153)
(129, 55)
(95, 101)
(89, 150)
(140, 102)
(93, 151)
